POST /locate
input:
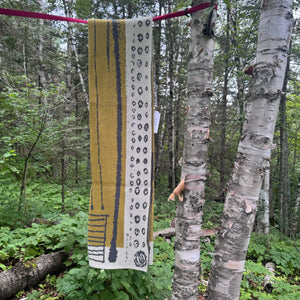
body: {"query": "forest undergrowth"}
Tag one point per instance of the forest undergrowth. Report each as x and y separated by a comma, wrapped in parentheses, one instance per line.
(21, 240)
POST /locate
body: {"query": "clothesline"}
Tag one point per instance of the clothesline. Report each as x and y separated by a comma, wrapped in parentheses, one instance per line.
(29, 14)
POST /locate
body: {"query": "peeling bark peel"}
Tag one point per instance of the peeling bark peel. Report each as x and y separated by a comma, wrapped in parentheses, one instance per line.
(254, 151)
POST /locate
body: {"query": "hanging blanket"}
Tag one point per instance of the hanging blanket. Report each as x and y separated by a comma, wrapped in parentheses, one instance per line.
(121, 128)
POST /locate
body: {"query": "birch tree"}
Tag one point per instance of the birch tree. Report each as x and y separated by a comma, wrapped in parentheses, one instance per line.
(253, 156)
(189, 212)
(263, 209)
(284, 178)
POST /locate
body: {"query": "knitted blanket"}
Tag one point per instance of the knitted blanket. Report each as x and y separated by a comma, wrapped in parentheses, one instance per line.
(121, 143)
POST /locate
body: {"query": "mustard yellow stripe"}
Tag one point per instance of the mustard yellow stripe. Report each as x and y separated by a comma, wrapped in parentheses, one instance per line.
(107, 124)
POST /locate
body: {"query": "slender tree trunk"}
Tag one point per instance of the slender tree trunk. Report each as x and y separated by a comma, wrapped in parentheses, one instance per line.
(263, 210)
(25, 52)
(271, 202)
(295, 150)
(68, 102)
(171, 117)
(254, 151)
(22, 198)
(284, 178)
(79, 72)
(178, 124)
(239, 79)
(176, 101)
(189, 212)
(129, 8)
(41, 70)
(63, 177)
(296, 217)
(159, 137)
(223, 113)
(77, 157)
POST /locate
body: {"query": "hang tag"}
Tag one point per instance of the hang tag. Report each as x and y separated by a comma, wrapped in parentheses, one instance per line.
(156, 121)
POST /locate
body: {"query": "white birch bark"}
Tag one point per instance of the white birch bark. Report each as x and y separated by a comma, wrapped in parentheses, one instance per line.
(189, 212)
(263, 213)
(41, 69)
(84, 91)
(275, 28)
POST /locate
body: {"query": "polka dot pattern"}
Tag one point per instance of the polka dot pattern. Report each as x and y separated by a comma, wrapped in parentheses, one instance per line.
(139, 139)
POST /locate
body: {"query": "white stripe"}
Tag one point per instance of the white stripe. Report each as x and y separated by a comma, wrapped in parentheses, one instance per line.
(138, 141)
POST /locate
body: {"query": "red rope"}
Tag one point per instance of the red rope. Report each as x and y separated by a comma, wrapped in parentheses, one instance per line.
(29, 14)
(183, 12)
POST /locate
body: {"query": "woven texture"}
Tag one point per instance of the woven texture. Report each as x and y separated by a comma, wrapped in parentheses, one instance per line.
(121, 135)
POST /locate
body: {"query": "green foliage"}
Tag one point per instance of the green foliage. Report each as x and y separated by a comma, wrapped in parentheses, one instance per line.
(212, 211)
(43, 201)
(278, 249)
(252, 284)
(227, 2)
(89, 283)
(164, 210)
(27, 243)
(285, 254)
(207, 249)
(45, 290)
(83, 282)
(6, 163)
(22, 112)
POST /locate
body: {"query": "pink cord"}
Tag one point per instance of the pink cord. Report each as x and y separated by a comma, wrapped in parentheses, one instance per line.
(29, 14)
(183, 12)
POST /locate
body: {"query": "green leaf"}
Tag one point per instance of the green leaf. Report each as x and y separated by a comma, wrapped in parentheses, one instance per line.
(227, 2)
(3, 267)
(159, 285)
(123, 296)
(115, 283)
(13, 169)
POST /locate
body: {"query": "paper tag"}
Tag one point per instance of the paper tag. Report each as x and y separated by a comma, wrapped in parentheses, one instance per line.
(156, 121)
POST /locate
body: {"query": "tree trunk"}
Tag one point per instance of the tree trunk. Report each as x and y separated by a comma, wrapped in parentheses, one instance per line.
(223, 114)
(254, 151)
(284, 178)
(171, 232)
(263, 210)
(41, 64)
(27, 274)
(25, 52)
(268, 281)
(68, 102)
(161, 136)
(238, 65)
(157, 77)
(189, 212)
(42, 67)
(22, 198)
(296, 217)
(79, 72)
(180, 91)
(63, 177)
(171, 118)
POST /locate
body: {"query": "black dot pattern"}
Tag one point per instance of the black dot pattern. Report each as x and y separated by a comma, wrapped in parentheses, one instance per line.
(138, 139)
